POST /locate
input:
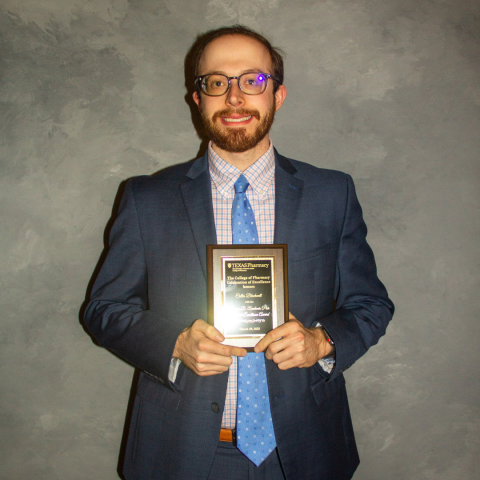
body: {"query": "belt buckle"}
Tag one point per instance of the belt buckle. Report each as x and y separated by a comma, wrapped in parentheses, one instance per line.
(228, 435)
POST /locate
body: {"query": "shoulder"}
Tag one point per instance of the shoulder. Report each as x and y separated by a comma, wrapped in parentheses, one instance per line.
(168, 180)
(169, 177)
(160, 189)
(312, 175)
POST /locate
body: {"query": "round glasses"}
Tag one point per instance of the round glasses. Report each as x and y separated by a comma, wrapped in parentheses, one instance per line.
(216, 84)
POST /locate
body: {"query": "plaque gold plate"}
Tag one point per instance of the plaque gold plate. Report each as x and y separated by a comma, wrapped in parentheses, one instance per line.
(247, 291)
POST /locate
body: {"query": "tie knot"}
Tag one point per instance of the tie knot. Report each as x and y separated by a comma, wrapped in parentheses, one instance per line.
(241, 184)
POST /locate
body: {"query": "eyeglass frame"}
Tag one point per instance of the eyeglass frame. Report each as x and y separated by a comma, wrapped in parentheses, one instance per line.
(201, 77)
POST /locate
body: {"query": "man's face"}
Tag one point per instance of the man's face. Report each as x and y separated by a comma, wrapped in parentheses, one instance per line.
(235, 121)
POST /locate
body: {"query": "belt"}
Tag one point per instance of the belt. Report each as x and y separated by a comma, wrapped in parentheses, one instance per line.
(228, 435)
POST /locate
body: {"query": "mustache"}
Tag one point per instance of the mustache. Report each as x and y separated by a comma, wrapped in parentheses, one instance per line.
(238, 111)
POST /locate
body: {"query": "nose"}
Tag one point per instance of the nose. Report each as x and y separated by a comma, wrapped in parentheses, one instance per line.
(234, 97)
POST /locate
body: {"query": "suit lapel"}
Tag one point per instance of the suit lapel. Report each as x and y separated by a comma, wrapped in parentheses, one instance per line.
(288, 194)
(197, 197)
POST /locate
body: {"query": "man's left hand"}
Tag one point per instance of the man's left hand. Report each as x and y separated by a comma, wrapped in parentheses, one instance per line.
(292, 345)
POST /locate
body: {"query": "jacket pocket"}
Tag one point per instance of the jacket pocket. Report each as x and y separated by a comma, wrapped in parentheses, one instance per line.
(154, 392)
(323, 390)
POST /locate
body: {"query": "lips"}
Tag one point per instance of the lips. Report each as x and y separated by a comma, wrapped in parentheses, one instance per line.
(236, 120)
(232, 117)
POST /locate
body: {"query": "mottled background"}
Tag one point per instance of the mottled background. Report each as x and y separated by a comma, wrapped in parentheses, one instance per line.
(92, 92)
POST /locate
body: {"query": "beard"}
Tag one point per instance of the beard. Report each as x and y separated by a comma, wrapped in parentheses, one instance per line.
(236, 139)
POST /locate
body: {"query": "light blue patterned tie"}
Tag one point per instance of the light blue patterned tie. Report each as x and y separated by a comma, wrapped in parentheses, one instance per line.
(255, 436)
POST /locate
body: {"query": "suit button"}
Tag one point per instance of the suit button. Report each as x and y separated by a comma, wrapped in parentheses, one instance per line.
(215, 407)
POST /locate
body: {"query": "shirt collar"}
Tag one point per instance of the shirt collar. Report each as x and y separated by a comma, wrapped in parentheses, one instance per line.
(260, 175)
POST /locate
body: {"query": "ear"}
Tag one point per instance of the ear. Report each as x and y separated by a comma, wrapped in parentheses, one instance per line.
(280, 96)
(196, 98)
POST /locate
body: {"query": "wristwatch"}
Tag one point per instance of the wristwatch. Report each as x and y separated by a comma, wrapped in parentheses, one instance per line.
(331, 342)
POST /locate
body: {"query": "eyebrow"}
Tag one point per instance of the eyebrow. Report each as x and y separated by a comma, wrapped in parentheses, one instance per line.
(220, 72)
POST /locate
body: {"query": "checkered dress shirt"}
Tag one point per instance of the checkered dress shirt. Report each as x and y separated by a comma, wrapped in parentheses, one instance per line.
(261, 195)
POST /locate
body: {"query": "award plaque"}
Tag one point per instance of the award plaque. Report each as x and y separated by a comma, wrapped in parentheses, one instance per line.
(247, 291)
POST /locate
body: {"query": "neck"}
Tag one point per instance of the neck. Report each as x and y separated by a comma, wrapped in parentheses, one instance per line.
(243, 160)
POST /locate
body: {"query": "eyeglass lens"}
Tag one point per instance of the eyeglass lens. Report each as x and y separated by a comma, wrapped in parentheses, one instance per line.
(249, 83)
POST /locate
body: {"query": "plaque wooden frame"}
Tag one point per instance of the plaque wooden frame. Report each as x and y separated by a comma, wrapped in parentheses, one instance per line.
(239, 279)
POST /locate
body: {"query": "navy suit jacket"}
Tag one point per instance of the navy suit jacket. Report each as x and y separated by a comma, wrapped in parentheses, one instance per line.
(153, 285)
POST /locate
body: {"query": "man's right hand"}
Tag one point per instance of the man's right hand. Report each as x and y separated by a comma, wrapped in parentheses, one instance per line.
(199, 348)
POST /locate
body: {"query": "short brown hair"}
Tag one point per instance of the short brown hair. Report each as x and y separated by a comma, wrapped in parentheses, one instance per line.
(204, 39)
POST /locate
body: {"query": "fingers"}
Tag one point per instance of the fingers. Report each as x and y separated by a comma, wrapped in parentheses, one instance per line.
(237, 352)
(210, 347)
(296, 338)
(199, 349)
(208, 330)
(212, 333)
(212, 358)
(215, 336)
(209, 364)
(294, 355)
(200, 358)
(269, 338)
(291, 345)
(275, 335)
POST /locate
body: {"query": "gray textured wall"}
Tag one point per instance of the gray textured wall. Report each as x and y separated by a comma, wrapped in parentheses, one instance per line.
(92, 93)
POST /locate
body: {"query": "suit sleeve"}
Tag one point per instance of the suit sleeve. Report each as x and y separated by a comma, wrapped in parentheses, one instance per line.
(363, 308)
(118, 313)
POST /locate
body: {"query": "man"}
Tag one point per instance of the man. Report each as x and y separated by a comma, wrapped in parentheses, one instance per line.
(148, 303)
